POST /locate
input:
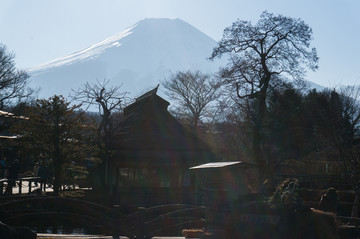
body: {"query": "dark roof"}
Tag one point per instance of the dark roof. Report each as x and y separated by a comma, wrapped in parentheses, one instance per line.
(148, 94)
(150, 135)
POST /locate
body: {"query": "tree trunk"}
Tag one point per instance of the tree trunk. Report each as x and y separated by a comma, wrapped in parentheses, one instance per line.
(355, 207)
(57, 177)
(58, 163)
(257, 139)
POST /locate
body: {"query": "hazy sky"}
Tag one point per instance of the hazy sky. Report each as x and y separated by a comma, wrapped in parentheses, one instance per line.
(38, 31)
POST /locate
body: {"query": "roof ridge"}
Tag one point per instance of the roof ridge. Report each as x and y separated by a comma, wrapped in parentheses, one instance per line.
(148, 94)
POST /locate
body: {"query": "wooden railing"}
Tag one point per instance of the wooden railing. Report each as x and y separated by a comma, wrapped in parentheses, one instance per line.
(17, 183)
(47, 211)
(157, 196)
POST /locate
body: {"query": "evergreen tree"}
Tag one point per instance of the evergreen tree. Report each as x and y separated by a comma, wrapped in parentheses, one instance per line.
(57, 133)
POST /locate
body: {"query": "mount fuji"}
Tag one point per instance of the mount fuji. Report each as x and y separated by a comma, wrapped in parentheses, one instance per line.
(138, 58)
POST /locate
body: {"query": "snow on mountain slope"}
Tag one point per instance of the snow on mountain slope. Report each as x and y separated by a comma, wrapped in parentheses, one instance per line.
(138, 58)
(85, 54)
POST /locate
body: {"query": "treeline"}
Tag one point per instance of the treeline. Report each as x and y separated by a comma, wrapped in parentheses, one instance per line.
(297, 123)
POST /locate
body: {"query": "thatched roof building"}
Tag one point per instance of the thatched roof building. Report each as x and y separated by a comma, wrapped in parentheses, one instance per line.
(150, 138)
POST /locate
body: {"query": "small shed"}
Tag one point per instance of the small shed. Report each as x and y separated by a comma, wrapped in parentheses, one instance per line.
(224, 184)
(223, 181)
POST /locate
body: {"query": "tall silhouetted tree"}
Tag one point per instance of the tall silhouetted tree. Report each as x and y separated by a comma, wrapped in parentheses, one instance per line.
(275, 46)
(108, 100)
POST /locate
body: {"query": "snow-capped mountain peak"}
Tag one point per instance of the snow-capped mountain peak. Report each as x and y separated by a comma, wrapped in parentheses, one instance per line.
(137, 58)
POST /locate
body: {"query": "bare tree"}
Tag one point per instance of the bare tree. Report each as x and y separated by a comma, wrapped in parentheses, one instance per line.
(13, 82)
(193, 93)
(275, 46)
(108, 100)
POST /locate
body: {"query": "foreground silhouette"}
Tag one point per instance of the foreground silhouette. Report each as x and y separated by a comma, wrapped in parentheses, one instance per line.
(283, 216)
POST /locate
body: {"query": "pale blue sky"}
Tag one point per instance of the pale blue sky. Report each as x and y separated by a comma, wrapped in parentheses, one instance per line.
(38, 31)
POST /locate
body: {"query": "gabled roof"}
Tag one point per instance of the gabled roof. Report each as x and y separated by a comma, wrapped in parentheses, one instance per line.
(148, 94)
(149, 134)
(148, 101)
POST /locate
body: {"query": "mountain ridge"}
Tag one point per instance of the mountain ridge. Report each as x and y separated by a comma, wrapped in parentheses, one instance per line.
(139, 57)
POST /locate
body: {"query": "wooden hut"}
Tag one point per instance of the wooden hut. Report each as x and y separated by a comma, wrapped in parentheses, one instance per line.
(153, 150)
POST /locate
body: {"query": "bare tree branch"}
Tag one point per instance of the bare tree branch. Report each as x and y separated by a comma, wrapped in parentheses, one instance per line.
(194, 93)
(108, 99)
(13, 82)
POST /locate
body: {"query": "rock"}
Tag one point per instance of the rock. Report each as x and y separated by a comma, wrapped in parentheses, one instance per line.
(25, 233)
(7, 232)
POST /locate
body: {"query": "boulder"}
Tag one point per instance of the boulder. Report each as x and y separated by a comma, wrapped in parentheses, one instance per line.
(7, 232)
(25, 233)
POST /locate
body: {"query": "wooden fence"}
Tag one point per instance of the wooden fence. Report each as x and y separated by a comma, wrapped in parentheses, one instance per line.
(17, 183)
